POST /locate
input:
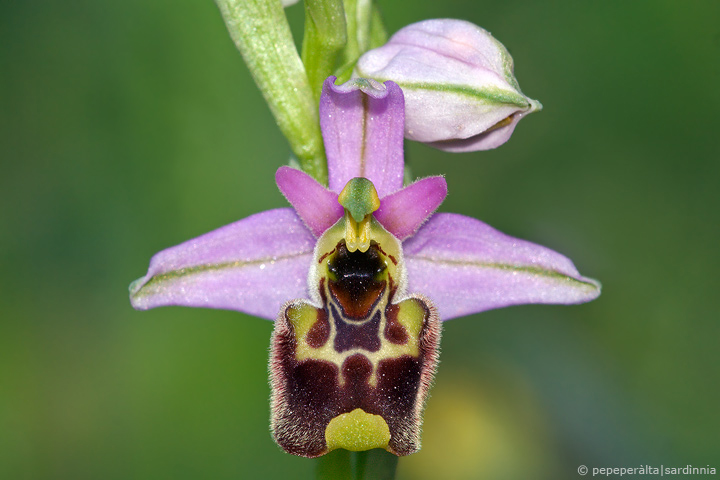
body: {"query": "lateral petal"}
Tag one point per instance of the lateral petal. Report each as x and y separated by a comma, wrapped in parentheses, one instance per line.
(316, 205)
(404, 211)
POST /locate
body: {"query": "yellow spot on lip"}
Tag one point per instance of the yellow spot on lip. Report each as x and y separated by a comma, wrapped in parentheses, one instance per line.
(302, 317)
(359, 199)
(357, 234)
(357, 431)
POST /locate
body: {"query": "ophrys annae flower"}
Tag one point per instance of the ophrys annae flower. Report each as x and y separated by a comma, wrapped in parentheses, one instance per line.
(358, 277)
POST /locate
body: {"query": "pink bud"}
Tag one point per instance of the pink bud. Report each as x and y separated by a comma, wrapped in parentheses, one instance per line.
(460, 91)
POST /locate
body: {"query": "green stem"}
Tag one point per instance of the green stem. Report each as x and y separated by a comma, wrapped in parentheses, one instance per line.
(365, 30)
(334, 466)
(340, 464)
(378, 34)
(325, 35)
(375, 464)
(358, 14)
(261, 32)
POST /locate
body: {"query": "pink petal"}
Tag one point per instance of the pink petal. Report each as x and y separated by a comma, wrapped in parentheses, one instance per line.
(316, 205)
(465, 266)
(486, 140)
(254, 266)
(362, 124)
(403, 212)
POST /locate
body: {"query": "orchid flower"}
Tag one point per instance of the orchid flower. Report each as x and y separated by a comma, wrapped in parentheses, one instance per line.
(358, 276)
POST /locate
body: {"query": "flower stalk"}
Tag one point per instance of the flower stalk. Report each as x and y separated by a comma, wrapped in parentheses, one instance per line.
(261, 33)
(365, 30)
(325, 37)
(358, 14)
(344, 465)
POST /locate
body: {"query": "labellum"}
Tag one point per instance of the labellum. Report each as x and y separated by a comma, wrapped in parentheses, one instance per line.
(351, 369)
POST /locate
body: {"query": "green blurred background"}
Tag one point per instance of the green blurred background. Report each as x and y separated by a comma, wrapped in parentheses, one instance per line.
(128, 127)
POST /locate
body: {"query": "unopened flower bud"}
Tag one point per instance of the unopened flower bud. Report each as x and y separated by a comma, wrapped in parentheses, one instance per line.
(460, 91)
